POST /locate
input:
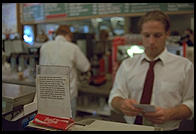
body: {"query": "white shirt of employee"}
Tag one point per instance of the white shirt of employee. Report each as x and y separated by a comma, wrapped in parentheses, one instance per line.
(173, 89)
(62, 51)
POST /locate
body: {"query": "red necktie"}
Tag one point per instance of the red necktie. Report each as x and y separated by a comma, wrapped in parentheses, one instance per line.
(147, 91)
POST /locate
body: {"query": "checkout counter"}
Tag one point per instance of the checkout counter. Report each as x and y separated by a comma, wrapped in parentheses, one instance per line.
(18, 110)
(18, 94)
(97, 125)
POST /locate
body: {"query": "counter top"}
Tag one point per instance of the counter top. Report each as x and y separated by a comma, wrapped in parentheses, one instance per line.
(99, 125)
(83, 87)
(14, 91)
(19, 82)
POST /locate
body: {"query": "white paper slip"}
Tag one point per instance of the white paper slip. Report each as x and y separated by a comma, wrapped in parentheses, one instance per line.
(145, 107)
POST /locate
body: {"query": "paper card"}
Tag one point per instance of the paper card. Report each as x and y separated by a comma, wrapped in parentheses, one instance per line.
(53, 95)
(145, 107)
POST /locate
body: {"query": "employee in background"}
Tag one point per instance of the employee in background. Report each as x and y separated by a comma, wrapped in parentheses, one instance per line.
(189, 34)
(62, 51)
(173, 88)
(103, 35)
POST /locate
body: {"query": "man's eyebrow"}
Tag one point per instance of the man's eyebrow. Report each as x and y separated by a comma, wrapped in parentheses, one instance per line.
(151, 33)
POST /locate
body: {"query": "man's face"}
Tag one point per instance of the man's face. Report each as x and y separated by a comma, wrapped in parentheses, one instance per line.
(154, 37)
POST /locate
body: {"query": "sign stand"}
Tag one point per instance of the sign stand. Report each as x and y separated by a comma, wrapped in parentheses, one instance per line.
(53, 97)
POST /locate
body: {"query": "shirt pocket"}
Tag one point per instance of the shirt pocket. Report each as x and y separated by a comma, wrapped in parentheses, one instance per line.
(168, 94)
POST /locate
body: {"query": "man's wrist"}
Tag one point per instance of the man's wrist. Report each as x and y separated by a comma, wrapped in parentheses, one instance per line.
(179, 112)
(116, 103)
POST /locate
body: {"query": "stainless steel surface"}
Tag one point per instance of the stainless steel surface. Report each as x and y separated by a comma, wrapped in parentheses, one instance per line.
(19, 82)
(16, 95)
(14, 91)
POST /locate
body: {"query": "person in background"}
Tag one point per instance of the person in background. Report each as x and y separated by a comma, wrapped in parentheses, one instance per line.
(62, 51)
(189, 37)
(103, 35)
(173, 86)
(175, 33)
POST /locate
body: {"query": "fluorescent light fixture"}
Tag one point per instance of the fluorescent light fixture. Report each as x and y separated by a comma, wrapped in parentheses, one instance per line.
(135, 49)
(117, 19)
(99, 19)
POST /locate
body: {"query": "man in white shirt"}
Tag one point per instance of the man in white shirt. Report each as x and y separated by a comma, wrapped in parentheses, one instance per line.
(62, 51)
(173, 88)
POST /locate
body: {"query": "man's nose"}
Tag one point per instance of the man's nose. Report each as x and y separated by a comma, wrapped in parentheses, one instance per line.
(151, 40)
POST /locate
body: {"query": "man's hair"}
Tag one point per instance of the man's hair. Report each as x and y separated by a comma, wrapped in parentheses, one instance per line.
(155, 16)
(64, 30)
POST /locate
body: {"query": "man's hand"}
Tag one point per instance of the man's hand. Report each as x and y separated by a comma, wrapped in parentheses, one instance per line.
(128, 108)
(160, 116)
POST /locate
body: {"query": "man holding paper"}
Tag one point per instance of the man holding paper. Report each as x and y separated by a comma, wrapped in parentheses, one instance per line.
(157, 87)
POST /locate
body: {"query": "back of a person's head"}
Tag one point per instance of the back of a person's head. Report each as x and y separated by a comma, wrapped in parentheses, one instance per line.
(155, 15)
(63, 30)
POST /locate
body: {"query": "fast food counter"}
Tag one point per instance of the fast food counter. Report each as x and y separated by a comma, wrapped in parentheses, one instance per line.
(17, 93)
(86, 92)
(97, 125)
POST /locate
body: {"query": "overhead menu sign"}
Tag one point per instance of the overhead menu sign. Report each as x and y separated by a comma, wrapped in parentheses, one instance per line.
(33, 12)
(54, 10)
(80, 9)
(180, 6)
(142, 7)
(42, 11)
(109, 8)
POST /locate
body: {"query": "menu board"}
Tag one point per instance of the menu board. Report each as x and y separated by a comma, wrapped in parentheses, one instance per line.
(109, 8)
(33, 12)
(44, 11)
(180, 6)
(142, 7)
(80, 9)
(53, 10)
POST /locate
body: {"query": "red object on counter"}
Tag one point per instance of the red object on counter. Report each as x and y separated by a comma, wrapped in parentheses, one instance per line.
(54, 122)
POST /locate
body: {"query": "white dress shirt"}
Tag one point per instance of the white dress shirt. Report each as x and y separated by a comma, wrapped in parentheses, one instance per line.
(65, 53)
(173, 83)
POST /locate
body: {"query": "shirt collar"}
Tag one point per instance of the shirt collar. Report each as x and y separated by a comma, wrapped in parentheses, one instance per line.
(163, 57)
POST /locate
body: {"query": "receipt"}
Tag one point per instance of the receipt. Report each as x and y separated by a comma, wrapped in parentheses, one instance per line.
(145, 107)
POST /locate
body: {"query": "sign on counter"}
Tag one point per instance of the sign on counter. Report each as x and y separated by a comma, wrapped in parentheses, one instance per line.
(53, 95)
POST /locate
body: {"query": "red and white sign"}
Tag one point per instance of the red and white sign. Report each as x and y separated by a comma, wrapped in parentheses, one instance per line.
(54, 122)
